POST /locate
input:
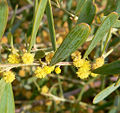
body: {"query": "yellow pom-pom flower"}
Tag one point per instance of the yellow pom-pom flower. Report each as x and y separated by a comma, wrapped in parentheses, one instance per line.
(28, 58)
(77, 62)
(47, 69)
(49, 57)
(57, 70)
(14, 58)
(40, 73)
(8, 76)
(98, 63)
(84, 70)
(44, 89)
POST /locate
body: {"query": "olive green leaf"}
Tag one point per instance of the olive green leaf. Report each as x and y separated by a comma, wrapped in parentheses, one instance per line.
(118, 7)
(3, 16)
(75, 38)
(51, 24)
(38, 17)
(106, 92)
(111, 68)
(101, 32)
(79, 6)
(116, 24)
(6, 98)
(87, 12)
(39, 54)
(2, 86)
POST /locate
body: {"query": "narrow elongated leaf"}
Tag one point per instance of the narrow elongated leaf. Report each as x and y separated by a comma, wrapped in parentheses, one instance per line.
(101, 32)
(38, 16)
(7, 100)
(106, 92)
(112, 68)
(87, 12)
(118, 7)
(116, 24)
(51, 24)
(3, 16)
(2, 86)
(79, 6)
(75, 38)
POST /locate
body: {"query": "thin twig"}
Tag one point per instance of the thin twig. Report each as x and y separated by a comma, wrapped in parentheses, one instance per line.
(66, 100)
(6, 67)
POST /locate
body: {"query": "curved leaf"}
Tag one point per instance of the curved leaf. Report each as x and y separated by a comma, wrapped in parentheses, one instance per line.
(79, 6)
(87, 12)
(101, 32)
(106, 92)
(3, 16)
(7, 99)
(51, 24)
(38, 17)
(75, 38)
(107, 69)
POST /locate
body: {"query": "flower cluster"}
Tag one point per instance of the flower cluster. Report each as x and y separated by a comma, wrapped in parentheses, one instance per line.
(28, 58)
(84, 66)
(42, 72)
(57, 70)
(8, 76)
(14, 58)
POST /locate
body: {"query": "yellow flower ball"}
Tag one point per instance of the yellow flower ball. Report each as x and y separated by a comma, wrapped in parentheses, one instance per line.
(44, 89)
(57, 70)
(40, 73)
(99, 61)
(84, 70)
(8, 76)
(83, 73)
(14, 58)
(77, 62)
(47, 69)
(28, 58)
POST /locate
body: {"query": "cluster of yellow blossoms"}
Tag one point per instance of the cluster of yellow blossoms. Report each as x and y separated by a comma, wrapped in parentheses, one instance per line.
(8, 76)
(27, 58)
(14, 58)
(42, 72)
(84, 66)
